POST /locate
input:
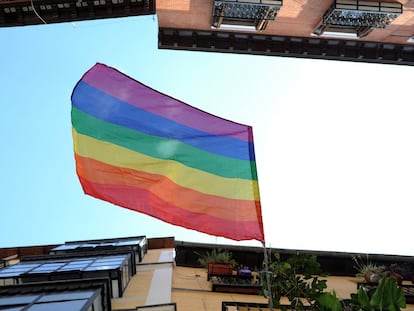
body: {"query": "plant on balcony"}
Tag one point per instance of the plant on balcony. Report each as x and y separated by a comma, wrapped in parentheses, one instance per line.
(297, 278)
(399, 272)
(241, 284)
(371, 272)
(387, 295)
(217, 262)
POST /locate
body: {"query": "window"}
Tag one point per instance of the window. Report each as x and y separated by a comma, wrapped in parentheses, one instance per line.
(118, 268)
(137, 244)
(68, 300)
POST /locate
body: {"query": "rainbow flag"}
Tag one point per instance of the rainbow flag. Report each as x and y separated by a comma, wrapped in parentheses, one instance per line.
(143, 150)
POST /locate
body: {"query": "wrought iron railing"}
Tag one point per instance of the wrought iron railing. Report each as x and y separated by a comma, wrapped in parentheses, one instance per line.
(358, 18)
(362, 13)
(158, 307)
(254, 13)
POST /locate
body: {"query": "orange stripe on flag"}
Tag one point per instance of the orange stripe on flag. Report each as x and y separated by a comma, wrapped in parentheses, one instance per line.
(184, 198)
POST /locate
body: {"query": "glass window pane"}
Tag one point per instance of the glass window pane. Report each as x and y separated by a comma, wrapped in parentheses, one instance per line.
(47, 267)
(114, 257)
(88, 245)
(20, 299)
(97, 303)
(110, 260)
(76, 265)
(106, 244)
(67, 296)
(5, 271)
(101, 267)
(61, 306)
(65, 247)
(81, 262)
(70, 268)
(41, 270)
(23, 265)
(115, 289)
(126, 243)
(117, 261)
(101, 263)
(19, 268)
(9, 274)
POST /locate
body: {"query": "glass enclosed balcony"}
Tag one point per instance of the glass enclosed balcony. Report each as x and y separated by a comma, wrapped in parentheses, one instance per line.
(118, 268)
(138, 245)
(73, 295)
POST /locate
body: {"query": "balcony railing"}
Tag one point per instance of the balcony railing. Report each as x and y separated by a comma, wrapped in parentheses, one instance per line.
(357, 18)
(158, 307)
(253, 15)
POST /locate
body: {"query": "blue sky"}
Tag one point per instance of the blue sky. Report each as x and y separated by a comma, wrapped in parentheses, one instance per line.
(334, 140)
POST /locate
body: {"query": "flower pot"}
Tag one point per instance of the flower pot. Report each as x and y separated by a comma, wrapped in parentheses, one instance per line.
(398, 277)
(219, 269)
(371, 277)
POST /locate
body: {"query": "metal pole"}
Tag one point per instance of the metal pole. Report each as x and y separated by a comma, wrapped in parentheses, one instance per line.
(269, 286)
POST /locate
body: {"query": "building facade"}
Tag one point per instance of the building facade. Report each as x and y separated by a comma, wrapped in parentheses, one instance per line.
(137, 273)
(124, 274)
(349, 30)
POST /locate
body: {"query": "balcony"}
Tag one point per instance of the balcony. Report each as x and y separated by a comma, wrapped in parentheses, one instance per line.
(244, 15)
(88, 294)
(356, 19)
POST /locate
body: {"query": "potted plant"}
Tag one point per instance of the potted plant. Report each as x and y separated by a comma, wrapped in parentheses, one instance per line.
(237, 283)
(218, 262)
(399, 272)
(371, 272)
(297, 278)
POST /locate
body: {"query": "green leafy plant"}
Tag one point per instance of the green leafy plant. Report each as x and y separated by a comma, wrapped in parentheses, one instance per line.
(387, 296)
(216, 256)
(296, 278)
(329, 301)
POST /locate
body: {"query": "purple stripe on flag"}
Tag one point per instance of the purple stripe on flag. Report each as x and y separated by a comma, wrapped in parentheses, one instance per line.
(117, 84)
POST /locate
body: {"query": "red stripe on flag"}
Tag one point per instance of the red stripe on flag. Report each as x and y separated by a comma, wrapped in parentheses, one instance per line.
(144, 201)
(188, 199)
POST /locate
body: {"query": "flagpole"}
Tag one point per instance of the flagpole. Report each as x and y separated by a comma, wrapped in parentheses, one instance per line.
(269, 286)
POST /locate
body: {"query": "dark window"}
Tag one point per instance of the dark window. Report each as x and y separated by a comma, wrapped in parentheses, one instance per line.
(119, 268)
(62, 301)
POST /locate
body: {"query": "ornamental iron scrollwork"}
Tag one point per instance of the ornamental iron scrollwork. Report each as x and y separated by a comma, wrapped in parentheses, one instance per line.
(245, 13)
(359, 16)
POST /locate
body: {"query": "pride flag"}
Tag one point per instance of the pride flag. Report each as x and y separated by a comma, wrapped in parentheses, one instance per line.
(143, 150)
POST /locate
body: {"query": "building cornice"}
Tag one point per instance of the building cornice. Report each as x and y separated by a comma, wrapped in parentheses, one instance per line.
(289, 46)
